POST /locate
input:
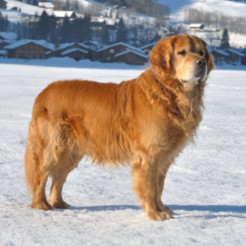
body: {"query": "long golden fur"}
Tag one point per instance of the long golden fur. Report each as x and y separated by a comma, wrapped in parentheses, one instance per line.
(144, 122)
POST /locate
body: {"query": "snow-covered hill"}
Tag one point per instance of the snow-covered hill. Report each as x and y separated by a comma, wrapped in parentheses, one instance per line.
(205, 188)
(230, 8)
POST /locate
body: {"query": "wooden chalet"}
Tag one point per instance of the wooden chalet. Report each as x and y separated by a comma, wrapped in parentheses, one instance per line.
(108, 53)
(75, 53)
(236, 56)
(147, 48)
(196, 27)
(219, 56)
(28, 49)
(131, 57)
(84, 50)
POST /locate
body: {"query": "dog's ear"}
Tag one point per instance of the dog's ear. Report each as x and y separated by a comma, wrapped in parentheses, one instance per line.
(161, 54)
(209, 58)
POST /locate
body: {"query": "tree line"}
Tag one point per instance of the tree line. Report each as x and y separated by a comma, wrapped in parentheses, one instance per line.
(77, 29)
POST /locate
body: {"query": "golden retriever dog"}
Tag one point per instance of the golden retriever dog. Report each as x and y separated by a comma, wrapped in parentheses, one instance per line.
(144, 122)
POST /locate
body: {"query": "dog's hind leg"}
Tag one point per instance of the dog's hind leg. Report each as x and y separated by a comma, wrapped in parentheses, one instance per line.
(38, 162)
(64, 166)
(42, 172)
(67, 156)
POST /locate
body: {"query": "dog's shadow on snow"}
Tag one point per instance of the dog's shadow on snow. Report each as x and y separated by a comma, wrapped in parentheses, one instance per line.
(176, 208)
(211, 208)
(211, 211)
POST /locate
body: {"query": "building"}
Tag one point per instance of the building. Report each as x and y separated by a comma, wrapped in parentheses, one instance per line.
(8, 36)
(75, 50)
(108, 53)
(147, 47)
(196, 27)
(219, 56)
(236, 56)
(46, 5)
(60, 14)
(75, 53)
(131, 57)
(28, 49)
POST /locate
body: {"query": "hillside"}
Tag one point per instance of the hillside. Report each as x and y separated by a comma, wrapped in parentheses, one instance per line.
(229, 8)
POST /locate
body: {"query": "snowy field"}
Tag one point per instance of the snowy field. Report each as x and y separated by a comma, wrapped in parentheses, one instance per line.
(206, 187)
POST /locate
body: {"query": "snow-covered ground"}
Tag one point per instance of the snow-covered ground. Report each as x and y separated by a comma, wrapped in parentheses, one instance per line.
(206, 187)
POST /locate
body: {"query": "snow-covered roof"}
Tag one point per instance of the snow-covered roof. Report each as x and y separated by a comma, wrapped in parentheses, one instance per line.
(123, 44)
(66, 52)
(62, 14)
(67, 45)
(196, 25)
(221, 52)
(147, 45)
(11, 36)
(46, 5)
(27, 41)
(236, 52)
(132, 51)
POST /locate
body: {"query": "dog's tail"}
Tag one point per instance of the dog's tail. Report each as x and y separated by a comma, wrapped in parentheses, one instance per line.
(30, 158)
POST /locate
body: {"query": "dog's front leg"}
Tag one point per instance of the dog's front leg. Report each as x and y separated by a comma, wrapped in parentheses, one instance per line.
(161, 180)
(145, 185)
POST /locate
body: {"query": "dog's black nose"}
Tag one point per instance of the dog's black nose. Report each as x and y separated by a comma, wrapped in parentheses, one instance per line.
(201, 62)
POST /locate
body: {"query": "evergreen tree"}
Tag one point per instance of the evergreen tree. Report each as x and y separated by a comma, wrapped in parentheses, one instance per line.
(3, 4)
(225, 40)
(121, 31)
(86, 28)
(35, 2)
(3, 23)
(43, 26)
(65, 33)
(53, 33)
(105, 34)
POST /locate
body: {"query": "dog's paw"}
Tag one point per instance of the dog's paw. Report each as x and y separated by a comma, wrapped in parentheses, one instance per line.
(159, 216)
(43, 205)
(59, 204)
(168, 210)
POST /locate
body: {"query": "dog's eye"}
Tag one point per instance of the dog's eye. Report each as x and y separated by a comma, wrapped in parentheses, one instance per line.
(201, 53)
(182, 52)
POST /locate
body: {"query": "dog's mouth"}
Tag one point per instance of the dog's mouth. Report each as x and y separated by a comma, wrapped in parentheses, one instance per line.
(199, 76)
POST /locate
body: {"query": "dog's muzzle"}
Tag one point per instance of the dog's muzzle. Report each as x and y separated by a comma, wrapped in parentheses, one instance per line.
(201, 69)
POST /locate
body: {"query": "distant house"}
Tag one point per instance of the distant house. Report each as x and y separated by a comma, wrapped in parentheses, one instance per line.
(8, 36)
(196, 27)
(76, 54)
(131, 57)
(236, 56)
(220, 56)
(62, 14)
(46, 5)
(3, 44)
(28, 49)
(147, 47)
(75, 50)
(93, 45)
(108, 53)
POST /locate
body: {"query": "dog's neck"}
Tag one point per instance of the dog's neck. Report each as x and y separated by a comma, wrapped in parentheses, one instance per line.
(184, 109)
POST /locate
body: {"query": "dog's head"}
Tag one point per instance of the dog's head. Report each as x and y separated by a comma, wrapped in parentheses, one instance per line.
(182, 57)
